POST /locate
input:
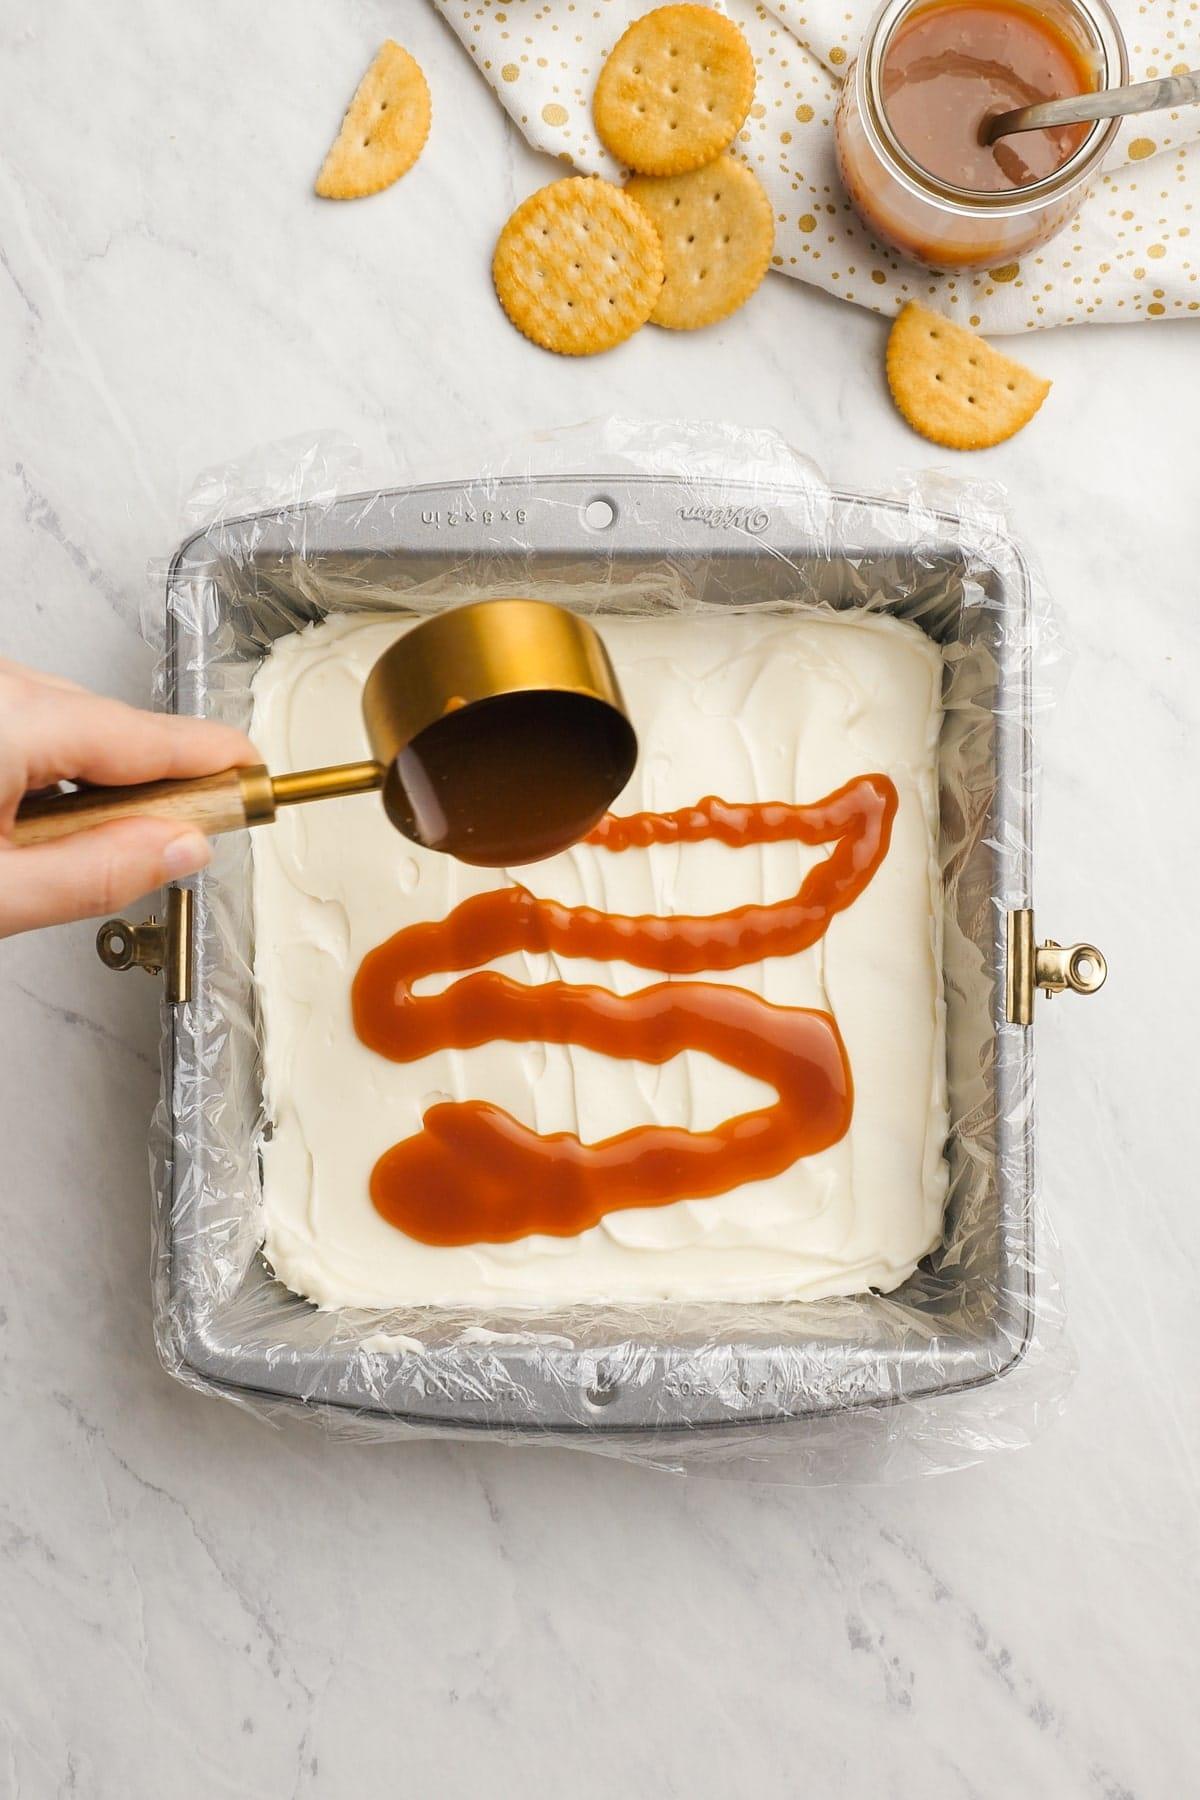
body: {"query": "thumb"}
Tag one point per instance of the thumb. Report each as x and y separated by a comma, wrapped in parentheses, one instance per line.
(95, 871)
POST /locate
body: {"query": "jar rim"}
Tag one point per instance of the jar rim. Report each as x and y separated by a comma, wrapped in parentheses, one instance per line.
(1108, 41)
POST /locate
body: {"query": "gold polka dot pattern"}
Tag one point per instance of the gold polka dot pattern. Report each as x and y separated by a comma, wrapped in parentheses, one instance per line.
(1129, 254)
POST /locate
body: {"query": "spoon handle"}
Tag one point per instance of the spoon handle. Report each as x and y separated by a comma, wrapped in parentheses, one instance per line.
(1109, 103)
(213, 803)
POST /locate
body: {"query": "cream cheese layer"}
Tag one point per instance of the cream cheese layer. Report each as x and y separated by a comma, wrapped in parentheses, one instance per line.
(744, 706)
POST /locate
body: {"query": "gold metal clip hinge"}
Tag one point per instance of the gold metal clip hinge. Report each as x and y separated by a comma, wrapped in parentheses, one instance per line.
(160, 948)
(1054, 968)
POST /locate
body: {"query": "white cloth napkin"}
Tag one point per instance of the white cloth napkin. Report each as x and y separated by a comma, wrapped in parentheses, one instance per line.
(1132, 252)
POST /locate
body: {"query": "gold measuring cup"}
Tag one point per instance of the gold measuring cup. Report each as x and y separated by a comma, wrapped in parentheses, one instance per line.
(498, 731)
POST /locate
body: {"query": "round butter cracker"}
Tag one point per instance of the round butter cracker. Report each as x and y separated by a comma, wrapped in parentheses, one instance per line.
(578, 267)
(717, 232)
(952, 387)
(674, 91)
(383, 132)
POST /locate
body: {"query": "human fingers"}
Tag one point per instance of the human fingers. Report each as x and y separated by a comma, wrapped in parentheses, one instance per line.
(67, 735)
(20, 671)
(94, 872)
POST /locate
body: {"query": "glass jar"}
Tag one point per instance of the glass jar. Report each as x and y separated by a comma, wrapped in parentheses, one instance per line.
(947, 227)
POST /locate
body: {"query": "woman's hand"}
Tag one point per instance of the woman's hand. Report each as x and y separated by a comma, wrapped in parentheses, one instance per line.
(51, 730)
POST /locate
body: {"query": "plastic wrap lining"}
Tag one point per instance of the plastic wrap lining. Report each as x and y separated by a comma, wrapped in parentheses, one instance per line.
(628, 517)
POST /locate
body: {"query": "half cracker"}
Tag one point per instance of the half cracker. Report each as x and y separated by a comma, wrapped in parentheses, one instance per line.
(952, 387)
(383, 132)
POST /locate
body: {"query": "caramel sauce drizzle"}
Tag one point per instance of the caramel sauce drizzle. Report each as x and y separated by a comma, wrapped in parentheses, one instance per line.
(475, 1174)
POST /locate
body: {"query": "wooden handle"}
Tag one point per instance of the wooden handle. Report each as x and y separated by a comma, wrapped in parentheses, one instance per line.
(212, 803)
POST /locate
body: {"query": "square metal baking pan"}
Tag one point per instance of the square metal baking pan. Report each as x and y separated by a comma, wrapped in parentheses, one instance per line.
(235, 588)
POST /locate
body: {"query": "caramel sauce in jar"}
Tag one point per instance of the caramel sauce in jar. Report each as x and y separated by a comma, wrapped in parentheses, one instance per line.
(952, 65)
(475, 1174)
(907, 128)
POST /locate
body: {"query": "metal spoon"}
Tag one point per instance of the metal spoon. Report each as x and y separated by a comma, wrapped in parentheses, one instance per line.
(1108, 103)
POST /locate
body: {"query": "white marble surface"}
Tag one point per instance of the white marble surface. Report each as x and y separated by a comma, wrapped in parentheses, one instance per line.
(198, 1605)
